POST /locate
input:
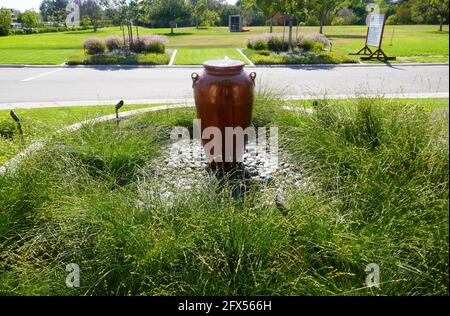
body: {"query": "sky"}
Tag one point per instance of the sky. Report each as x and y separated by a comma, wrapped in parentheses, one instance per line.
(34, 4)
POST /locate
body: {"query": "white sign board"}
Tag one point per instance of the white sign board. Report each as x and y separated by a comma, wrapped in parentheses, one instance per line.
(375, 33)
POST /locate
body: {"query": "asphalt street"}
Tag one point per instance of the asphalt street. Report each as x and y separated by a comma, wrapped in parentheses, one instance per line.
(42, 86)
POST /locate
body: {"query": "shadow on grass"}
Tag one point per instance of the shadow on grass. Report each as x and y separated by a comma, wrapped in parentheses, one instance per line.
(344, 36)
(174, 34)
(81, 32)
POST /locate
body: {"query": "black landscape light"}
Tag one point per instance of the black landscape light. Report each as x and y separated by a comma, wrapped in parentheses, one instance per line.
(16, 118)
(118, 107)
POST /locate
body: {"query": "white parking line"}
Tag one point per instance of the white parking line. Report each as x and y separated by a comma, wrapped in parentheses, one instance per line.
(42, 75)
(172, 59)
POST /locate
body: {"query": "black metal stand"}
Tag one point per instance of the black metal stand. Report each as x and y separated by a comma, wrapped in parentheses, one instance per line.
(380, 55)
(363, 51)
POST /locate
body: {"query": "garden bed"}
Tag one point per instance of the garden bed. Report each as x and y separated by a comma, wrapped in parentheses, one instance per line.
(121, 59)
(275, 49)
(115, 50)
(106, 198)
(266, 57)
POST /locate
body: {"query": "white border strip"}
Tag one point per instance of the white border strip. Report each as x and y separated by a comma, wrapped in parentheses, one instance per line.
(55, 104)
(11, 164)
(172, 59)
(245, 57)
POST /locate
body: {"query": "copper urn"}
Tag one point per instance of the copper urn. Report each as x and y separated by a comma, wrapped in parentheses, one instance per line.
(224, 95)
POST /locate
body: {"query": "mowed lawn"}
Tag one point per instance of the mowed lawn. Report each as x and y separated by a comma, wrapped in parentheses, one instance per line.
(410, 43)
(196, 56)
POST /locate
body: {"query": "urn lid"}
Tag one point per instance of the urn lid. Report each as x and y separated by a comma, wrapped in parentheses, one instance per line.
(224, 66)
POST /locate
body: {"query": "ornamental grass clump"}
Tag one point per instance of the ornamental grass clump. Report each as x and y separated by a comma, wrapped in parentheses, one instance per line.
(319, 40)
(94, 45)
(150, 44)
(259, 42)
(113, 43)
(278, 44)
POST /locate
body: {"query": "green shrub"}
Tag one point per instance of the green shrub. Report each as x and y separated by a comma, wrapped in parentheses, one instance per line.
(94, 45)
(306, 44)
(113, 43)
(392, 20)
(264, 52)
(8, 128)
(120, 59)
(278, 44)
(261, 45)
(138, 45)
(259, 42)
(17, 32)
(156, 48)
(149, 44)
(337, 21)
(318, 47)
(312, 57)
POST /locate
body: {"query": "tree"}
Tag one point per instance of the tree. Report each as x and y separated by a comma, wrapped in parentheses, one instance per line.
(93, 11)
(169, 12)
(54, 10)
(250, 12)
(123, 10)
(322, 9)
(225, 13)
(269, 9)
(439, 8)
(29, 19)
(291, 9)
(203, 15)
(5, 21)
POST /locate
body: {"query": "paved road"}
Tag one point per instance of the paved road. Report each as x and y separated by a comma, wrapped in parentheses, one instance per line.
(35, 87)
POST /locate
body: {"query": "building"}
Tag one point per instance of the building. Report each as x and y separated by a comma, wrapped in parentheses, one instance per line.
(15, 15)
(15, 19)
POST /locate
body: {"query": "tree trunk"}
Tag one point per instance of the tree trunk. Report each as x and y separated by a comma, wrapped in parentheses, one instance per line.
(291, 26)
(123, 33)
(284, 28)
(298, 26)
(322, 18)
(441, 23)
(271, 26)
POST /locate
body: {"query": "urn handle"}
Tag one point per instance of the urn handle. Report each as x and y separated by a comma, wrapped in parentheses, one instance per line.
(253, 77)
(194, 77)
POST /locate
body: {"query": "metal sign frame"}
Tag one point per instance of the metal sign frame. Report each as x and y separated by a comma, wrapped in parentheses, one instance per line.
(379, 54)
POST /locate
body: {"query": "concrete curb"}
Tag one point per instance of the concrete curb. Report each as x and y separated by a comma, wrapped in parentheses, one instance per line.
(190, 101)
(295, 66)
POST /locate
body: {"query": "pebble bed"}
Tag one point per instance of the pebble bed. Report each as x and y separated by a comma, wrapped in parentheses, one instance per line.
(184, 168)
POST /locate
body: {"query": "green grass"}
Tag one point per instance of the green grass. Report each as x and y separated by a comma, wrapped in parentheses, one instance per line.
(438, 104)
(380, 172)
(410, 43)
(40, 122)
(195, 56)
